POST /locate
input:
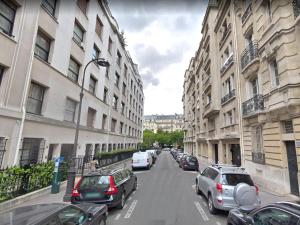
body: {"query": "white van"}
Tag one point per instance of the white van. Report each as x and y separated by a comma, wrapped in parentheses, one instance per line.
(141, 160)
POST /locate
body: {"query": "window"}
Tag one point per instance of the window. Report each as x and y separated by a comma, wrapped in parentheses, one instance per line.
(115, 102)
(109, 44)
(99, 27)
(32, 151)
(73, 71)
(125, 70)
(131, 84)
(274, 73)
(288, 126)
(105, 92)
(254, 86)
(2, 149)
(235, 179)
(96, 52)
(229, 118)
(107, 73)
(7, 16)
(113, 125)
(208, 99)
(122, 108)
(117, 79)
(35, 99)
(49, 5)
(273, 216)
(269, 10)
(82, 4)
(88, 153)
(124, 89)
(70, 110)
(92, 86)
(72, 215)
(104, 121)
(78, 33)
(121, 127)
(42, 46)
(119, 58)
(1, 73)
(91, 117)
(129, 114)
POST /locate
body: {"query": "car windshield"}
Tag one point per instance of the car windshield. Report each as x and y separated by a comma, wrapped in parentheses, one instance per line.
(235, 179)
(191, 159)
(94, 182)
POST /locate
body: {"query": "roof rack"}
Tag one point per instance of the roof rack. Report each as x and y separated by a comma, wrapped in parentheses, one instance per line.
(220, 166)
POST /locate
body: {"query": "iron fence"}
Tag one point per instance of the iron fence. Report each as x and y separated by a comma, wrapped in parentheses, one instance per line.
(258, 157)
(228, 96)
(250, 53)
(247, 13)
(253, 105)
(296, 8)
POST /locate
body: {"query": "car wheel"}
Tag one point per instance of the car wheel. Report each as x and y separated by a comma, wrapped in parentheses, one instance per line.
(135, 185)
(198, 192)
(211, 206)
(122, 203)
(148, 167)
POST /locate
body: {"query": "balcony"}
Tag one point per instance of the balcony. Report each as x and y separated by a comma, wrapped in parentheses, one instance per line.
(210, 110)
(247, 13)
(206, 82)
(228, 96)
(211, 134)
(253, 105)
(296, 8)
(249, 54)
(258, 157)
(227, 64)
(225, 35)
(230, 131)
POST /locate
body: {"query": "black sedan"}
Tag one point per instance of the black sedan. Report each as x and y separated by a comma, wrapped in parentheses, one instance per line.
(105, 187)
(189, 162)
(282, 213)
(56, 214)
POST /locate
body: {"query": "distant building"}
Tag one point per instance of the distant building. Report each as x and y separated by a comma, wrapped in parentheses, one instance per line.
(163, 122)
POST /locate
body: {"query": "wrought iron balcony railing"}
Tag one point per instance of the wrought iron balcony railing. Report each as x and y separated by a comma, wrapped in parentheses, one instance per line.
(227, 64)
(250, 53)
(228, 96)
(253, 105)
(225, 34)
(247, 13)
(258, 157)
(296, 7)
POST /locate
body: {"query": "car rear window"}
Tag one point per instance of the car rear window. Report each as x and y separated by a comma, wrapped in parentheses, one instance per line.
(235, 179)
(191, 159)
(94, 182)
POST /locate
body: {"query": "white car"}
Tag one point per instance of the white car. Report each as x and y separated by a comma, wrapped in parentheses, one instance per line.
(153, 154)
(142, 160)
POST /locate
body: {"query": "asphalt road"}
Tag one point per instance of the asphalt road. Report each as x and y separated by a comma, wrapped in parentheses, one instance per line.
(165, 196)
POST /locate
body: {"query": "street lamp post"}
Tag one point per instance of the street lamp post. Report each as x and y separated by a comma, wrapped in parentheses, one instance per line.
(72, 168)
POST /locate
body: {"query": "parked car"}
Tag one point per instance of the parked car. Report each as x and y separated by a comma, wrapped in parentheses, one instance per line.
(189, 162)
(179, 156)
(142, 160)
(56, 213)
(105, 187)
(153, 154)
(217, 183)
(281, 213)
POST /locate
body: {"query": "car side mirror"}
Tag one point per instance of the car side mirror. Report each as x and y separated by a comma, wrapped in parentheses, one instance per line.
(249, 220)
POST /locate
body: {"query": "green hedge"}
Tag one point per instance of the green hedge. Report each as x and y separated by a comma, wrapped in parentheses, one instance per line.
(113, 153)
(16, 181)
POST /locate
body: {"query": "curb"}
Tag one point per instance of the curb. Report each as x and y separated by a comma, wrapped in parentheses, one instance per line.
(12, 203)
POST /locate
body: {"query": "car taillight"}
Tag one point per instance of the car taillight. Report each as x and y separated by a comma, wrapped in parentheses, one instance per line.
(75, 191)
(256, 188)
(219, 187)
(112, 190)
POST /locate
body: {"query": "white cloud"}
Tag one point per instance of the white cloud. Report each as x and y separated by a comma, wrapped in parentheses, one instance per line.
(162, 44)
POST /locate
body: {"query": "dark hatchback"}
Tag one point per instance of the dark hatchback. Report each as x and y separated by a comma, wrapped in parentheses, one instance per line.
(56, 214)
(281, 213)
(105, 187)
(189, 162)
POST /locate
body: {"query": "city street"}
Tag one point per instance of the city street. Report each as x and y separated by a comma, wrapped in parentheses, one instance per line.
(165, 196)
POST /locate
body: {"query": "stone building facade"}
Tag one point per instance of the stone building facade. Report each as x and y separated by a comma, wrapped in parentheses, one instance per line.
(168, 123)
(45, 46)
(258, 85)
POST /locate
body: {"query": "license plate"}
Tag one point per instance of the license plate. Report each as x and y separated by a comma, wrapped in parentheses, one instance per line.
(93, 195)
(192, 163)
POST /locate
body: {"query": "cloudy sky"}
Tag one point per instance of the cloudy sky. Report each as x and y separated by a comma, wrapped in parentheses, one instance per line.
(162, 36)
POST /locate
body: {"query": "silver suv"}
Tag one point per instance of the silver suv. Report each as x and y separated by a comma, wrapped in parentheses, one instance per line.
(217, 183)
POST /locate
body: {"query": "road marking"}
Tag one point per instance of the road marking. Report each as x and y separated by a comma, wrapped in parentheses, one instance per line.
(201, 211)
(138, 172)
(133, 192)
(218, 223)
(130, 210)
(118, 216)
(129, 198)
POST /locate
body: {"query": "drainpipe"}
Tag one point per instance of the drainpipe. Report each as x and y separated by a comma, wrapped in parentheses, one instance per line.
(238, 88)
(28, 79)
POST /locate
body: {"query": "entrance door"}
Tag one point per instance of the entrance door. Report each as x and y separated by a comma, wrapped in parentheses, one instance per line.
(216, 153)
(236, 154)
(293, 167)
(50, 152)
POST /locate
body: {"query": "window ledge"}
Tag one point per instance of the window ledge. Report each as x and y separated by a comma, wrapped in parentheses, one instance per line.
(52, 16)
(79, 45)
(10, 37)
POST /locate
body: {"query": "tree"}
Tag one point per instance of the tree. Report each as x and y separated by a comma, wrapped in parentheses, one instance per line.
(163, 138)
